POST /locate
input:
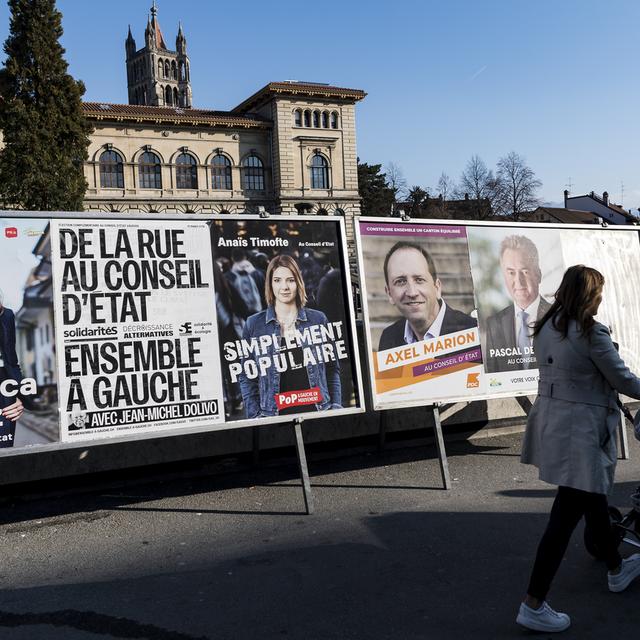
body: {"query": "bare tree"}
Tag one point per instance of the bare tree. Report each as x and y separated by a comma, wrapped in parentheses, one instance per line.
(482, 187)
(519, 183)
(446, 189)
(396, 181)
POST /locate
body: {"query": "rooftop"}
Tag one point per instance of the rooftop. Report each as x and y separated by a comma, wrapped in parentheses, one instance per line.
(170, 115)
(300, 89)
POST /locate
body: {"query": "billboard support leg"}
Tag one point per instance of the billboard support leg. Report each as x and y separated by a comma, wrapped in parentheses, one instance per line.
(442, 454)
(623, 449)
(255, 441)
(302, 465)
(382, 430)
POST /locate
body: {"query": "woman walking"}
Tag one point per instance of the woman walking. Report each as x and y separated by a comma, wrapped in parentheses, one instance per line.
(570, 437)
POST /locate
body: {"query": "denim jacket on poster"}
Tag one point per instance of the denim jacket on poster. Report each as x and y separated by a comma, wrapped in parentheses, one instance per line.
(259, 393)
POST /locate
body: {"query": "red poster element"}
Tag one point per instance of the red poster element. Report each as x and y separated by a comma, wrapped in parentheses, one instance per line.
(11, 232)
(289, 399)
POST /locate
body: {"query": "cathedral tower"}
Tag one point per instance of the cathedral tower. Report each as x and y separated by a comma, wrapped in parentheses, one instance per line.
(156, 75)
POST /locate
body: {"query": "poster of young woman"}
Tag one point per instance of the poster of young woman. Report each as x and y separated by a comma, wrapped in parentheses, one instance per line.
(285, 318)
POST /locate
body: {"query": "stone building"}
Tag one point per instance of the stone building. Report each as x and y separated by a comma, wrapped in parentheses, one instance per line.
(290, 147)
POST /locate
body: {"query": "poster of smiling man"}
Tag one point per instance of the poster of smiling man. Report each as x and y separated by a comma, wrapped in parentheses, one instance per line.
(516, 272)
(286, 331)
(28, 391)
(420, 315)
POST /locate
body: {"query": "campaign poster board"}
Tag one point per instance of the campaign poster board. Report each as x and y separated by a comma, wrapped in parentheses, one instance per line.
(136, 336)
(459, 335)
(116, 327)
(286, 319)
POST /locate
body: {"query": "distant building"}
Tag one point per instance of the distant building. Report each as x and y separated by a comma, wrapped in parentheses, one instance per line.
(607, 211)
(560, 215)
(462, 209)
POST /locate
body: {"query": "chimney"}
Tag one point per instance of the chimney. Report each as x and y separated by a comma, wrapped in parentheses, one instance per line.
(605, 198)
(566, 195)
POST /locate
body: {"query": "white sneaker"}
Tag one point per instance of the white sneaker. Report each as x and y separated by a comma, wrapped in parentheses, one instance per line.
(542, 619)
(629, 570)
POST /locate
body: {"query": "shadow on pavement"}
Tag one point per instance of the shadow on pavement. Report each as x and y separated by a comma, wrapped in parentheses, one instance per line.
(407, 576)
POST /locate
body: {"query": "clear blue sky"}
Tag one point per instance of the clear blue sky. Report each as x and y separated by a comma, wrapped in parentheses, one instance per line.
(555, 80)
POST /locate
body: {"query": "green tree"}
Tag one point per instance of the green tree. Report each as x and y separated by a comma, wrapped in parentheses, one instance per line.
(377, 196)
(45, 133)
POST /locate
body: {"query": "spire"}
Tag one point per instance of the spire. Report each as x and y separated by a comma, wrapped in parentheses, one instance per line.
(155, 25)
(130, 44)
(181, 41)
(149, 33)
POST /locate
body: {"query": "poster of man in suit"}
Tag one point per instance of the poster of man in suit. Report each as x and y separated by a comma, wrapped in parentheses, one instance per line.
(513, 290)
(420, 316)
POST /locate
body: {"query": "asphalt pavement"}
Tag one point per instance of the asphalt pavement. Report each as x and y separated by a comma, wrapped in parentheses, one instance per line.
(388, 553)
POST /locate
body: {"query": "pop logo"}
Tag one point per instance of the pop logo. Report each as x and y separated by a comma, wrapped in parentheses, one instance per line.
(473, 380)
(298, 398)
(11, 232)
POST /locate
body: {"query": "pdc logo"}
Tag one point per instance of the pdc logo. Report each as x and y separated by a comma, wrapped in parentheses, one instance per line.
(473, 380)
(11, 232)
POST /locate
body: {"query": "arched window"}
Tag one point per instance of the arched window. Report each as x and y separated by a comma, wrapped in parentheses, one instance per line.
(297, 118)
(168, 96)
(174, 70)
(175, 97)
(167, 69)
(316, 118)
(339, 212)
(160, 69)
(149, 171)
(325, 119)
(252, 173)
(111, 170)
(186, 172)
(307, 118)
(322, 212)
(220, 172)
(303, 207)
(319, 172)
(334, 120)
(181, 73)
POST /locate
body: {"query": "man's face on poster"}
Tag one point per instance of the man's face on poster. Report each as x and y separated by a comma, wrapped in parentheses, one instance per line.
(522, 276)
(412, 289)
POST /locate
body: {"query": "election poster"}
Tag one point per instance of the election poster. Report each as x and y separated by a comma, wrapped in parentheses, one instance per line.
(516, 272)
(28, 372)
(504, 277)
(420, 312)
(285, 318)
(136, 337)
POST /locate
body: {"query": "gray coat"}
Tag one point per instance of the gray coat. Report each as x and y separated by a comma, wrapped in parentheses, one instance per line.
(571, 429)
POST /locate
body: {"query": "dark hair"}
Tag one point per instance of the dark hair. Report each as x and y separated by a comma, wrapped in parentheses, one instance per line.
(574, 300)
(403, 244)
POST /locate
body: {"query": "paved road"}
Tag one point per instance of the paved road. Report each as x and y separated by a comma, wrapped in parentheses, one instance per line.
(388, 555)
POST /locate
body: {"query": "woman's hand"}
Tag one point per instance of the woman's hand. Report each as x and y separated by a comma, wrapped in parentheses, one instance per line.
(13, 411)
